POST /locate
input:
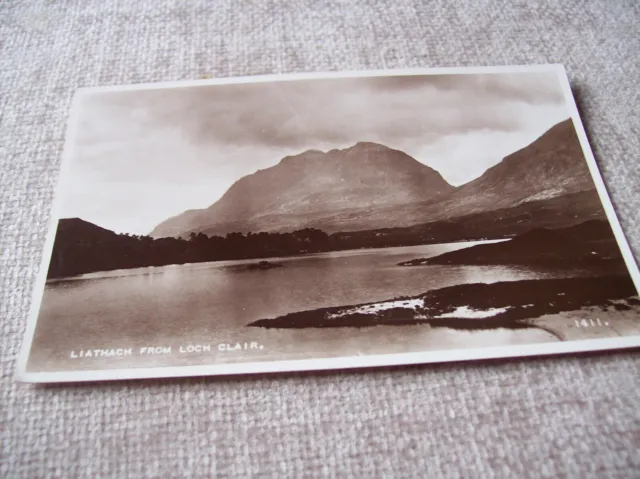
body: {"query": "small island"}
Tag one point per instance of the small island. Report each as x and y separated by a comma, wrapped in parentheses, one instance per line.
(263, 265)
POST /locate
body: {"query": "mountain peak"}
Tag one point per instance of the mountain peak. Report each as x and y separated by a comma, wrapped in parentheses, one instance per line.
(307, 154)
(553, 165)
(368, 145)
(361, 146)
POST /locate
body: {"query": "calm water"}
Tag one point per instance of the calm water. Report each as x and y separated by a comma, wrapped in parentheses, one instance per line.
(211, 303)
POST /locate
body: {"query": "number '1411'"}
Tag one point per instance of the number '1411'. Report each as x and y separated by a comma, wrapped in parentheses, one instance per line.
(590, 323)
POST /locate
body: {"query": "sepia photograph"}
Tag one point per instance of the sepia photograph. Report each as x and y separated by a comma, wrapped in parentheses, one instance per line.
(328, 221)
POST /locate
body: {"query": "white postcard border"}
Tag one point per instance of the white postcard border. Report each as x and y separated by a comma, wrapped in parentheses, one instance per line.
(346, 362)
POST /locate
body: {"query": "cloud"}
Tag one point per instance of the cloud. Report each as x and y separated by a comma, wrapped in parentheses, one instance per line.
(183, 147)
(535, 87)
(333, 111)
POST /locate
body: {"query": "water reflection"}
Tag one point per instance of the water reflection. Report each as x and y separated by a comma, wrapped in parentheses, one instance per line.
(215, 301)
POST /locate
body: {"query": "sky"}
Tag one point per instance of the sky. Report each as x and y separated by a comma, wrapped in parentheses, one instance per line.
(142, 156)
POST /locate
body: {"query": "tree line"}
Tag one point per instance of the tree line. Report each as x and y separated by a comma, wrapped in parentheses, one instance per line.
(88, 250)
(82, 247)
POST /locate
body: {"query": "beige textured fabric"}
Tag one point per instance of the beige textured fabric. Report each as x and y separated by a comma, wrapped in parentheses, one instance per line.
(568, 416)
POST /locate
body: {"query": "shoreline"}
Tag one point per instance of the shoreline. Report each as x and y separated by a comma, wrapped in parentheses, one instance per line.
(549, 304)
(247, 261)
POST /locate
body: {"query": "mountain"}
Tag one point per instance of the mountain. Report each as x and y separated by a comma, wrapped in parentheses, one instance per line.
(82, 247)
(315, 189)
(551, 170)
(551, 166)
(370, 186)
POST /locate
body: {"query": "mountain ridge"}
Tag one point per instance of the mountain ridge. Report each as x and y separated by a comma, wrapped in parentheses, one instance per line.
(370, 186)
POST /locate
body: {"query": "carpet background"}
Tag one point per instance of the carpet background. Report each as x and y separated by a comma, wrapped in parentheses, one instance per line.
(573, 416)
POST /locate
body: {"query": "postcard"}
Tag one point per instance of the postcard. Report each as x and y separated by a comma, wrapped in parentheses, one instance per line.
(324, 221)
